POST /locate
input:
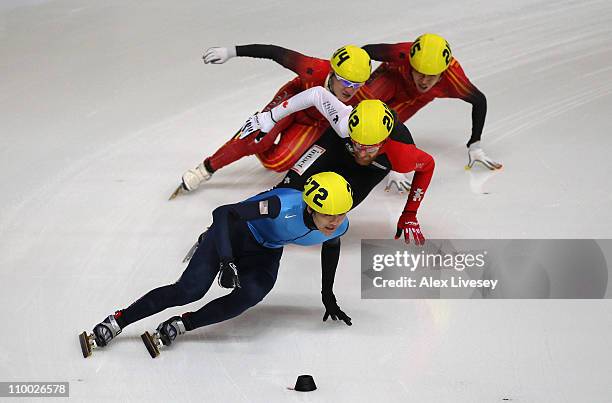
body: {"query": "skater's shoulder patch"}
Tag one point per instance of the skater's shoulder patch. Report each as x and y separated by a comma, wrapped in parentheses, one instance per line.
(263, 207)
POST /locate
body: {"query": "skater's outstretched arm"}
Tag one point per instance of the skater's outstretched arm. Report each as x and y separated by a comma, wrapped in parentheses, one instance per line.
(324, 101)
(407, 158)
(330, 254)
(287, 58)
(290, 59)
(389, 52)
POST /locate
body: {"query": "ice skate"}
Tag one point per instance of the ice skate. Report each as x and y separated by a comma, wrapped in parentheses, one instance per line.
(102, 334)
(178, 191)
(164, 335)
(191, 180)
(476, 154)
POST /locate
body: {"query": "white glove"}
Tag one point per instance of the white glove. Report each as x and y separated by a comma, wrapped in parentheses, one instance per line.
(219, 55)
(262, 121)
(400, 181)
(476, 154)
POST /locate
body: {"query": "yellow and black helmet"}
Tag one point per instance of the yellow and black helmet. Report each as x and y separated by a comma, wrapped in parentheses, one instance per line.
(328, 193)
(352, 63)
(370, 122)
(430, 54)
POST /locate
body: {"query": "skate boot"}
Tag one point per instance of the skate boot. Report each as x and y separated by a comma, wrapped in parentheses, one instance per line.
(192, 179)
(164, 335)
(102, 334)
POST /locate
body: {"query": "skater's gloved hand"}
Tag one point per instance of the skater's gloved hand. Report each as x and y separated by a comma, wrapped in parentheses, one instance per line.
(261, 121)
(332, 309)
(399, 180)
(228, 274)
(218, 55)
(409, 225)
(476, 154)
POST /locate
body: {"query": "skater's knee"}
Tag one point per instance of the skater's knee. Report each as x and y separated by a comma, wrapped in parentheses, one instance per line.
(251, 295)
(261, 143)
(280, 160)
(284, 166)
(188, 293)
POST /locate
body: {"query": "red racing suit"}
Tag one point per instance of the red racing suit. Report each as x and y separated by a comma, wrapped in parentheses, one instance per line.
(298, 131)
(393, 84)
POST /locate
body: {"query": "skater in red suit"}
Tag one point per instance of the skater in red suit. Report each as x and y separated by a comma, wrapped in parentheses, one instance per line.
(415, 73)
(348, 68)
(412, 75)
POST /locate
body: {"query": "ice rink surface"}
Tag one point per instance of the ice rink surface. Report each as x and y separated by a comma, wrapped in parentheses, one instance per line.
(105, 104)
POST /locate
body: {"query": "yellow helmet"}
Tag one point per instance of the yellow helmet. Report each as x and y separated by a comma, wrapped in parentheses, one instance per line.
(430, 54)
(352, 63)
(370, 122)
(328, 193)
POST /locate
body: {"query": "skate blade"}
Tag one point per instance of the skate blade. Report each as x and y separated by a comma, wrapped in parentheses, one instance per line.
(149, 342)
(191, 252)
(469, 167)
(179, 191)
(85, 344)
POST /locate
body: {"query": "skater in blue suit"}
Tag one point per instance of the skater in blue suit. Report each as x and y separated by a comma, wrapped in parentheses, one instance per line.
(243, 248)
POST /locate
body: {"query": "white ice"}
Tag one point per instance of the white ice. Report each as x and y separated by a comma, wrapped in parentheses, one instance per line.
(105, 104)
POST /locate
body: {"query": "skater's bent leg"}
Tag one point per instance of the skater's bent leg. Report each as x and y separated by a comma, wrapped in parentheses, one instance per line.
(256, 283)
(237, 148)
(192, 286)
(295, 140)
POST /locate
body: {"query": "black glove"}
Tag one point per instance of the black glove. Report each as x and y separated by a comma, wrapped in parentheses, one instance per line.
(228, 274)
(332, 309)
